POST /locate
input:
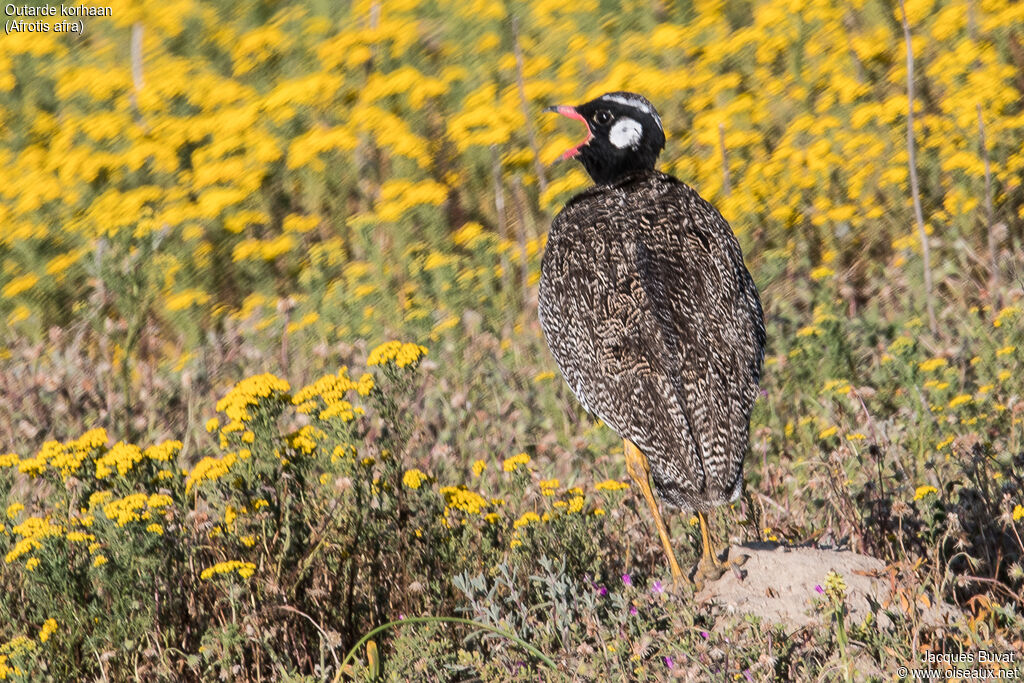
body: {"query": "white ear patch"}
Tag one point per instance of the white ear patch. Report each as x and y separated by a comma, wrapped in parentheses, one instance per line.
(626, 133)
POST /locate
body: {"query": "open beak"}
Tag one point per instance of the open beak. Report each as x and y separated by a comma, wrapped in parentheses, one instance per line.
(571, 112)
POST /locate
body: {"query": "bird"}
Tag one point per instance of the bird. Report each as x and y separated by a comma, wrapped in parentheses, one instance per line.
(653, 318)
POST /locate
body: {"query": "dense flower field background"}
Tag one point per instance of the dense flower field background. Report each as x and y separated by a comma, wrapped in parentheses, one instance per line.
(214, 214)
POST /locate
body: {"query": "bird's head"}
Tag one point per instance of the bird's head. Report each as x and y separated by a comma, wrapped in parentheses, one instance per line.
(624, 134)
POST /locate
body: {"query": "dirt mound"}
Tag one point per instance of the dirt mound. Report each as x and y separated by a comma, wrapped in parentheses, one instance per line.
(778, 584)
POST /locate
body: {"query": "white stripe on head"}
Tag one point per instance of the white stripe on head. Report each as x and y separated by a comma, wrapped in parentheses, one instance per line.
(626, 133)
(636, 103)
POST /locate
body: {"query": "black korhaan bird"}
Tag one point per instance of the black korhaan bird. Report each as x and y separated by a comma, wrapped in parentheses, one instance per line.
(652, 316)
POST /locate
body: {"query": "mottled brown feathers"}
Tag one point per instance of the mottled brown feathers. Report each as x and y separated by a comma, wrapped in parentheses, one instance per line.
(657, 327)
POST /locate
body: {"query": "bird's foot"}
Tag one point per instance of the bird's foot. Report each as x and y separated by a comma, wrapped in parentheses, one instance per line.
(737, 560)
(711, 568)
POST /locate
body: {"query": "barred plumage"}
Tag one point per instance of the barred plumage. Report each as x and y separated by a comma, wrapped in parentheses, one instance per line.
(651, 314)
(656, 326)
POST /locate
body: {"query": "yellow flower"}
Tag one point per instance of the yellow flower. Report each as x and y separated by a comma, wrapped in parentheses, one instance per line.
(212, 424)
(32, 564)
(932, 364)
(839, 386)
(402, 355)
(49, 627)
(924, 491)
(542, 376)
(528, 518)
(414, 478)
(13, 509)
(244, 569)
(18, 285)
(155, 529)
(1018, 513)
(835, 587)
(960, 400)
(460, 498)
(548, 486)
(945, 442)
(1005, 315)
(513, 463)
(829, 432)
(1006, 350)
(210, 469)
(99, 561)
(122, 456)
(163, 452)
(822, 272)
(250, 392)
(478, 468)
(611, 485)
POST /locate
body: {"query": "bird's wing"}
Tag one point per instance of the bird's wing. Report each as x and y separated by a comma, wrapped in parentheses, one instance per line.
(609, 346)
(709, 315)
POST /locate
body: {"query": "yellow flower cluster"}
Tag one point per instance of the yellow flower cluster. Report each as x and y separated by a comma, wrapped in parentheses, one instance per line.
(48, 629)
(548, 487)
(414, 478)
(932, 364)
(305, 440)
(32, 531)
(244, 569)
(399, 196)
(924, 492)
(163, 452)
(401, 354)
(611, 485)
(135, 507)
(460, 498)
(325, 397)
(835, 587)
(211, 468)
(15, 647)
(66, 457)
(513, 463)
(571, 506)
(527, 518)
(121, 457)
(249, 392)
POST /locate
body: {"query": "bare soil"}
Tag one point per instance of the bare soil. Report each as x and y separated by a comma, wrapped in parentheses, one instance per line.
(777, 583)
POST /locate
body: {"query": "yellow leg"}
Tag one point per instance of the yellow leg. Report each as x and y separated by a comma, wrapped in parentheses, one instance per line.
(636, 465)
(705, 535)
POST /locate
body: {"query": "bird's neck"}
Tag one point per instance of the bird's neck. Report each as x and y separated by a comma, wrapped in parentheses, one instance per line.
(604, 171)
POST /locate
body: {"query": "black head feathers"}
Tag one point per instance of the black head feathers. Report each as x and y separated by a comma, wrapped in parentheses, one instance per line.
(624, 134)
